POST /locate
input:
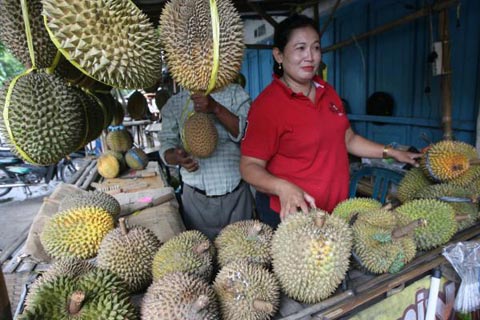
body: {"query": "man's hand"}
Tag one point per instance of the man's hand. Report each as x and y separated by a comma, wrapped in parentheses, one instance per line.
(185, 160)
(203, 103)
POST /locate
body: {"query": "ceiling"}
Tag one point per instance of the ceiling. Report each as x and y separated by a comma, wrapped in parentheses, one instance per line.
(248, 9)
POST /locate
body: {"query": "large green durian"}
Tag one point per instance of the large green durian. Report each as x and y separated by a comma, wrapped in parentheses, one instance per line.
(97, 294)
(45, 116)
(76, 233)
(189, 251)
(441, 224)
(247, 240)
(91, 198)
(383, 241)
(200, 136)
(128, 253)
(247, 291)
(187, 38)
(137, 106)
(110, 40)
(311, 254)
(180, 296)
(119, 139)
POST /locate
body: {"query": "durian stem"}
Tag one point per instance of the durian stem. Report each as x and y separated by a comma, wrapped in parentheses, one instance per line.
(76, 301)
(200, 303)
(254, 230)
(320, 221)
(202, 247)
(387, 206)
(403, 231)
(474, 162)
(461, 217)
(123, 226)
(229, 286)
(262, 306)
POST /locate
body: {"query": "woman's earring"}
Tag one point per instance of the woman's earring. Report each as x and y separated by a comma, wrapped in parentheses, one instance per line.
(280, 66)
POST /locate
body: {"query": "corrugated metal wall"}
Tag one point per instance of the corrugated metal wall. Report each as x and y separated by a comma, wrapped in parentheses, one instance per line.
(396, 62)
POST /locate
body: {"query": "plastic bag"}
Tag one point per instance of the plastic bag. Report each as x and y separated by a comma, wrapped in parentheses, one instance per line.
(465, 259)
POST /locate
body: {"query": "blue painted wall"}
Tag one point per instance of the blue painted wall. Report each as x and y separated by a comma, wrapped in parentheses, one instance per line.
(396, 62)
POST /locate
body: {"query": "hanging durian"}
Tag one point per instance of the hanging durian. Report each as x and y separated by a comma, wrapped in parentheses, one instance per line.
(200, 136)
(111, 41)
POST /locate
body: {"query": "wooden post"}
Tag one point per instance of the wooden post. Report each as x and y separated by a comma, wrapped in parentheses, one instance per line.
(446, 80)
(5, 309)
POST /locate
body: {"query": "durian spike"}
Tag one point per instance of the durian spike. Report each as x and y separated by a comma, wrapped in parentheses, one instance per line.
(76, 301)
(254, 230)
(319, 221)
(123, 226)
(202, 247)
(200, 304)
(405, 230)
(262, 306)
(462, 217)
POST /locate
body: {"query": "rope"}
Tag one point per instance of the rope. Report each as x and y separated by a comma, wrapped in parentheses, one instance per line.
(216, 45)
(28, 32)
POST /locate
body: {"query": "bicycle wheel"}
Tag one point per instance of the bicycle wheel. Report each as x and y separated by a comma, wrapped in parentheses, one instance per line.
(4, 179)
(67, 170)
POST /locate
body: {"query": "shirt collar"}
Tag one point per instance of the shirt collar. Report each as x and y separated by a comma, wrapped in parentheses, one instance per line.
(317, 81)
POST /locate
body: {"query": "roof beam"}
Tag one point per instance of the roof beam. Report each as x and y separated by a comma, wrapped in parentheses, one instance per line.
(262, 14)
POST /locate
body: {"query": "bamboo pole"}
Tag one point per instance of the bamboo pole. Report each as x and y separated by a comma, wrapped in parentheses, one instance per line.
(446, 77)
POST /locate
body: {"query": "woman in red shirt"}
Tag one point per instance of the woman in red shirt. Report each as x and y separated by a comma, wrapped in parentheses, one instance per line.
(295, 149)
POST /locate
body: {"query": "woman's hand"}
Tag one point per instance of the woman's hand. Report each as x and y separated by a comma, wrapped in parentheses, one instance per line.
(405, 156)
(185, 160)
(292, 198)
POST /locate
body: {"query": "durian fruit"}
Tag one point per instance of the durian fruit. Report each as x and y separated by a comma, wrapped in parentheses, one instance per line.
(311, 254)
(412, 182)
(94, 116)
(200, 135)
(128, 253)
(107, 104)
(97, 294)
(111, 41)
(161, 98)
(446, 160)
(187, 38)
(247, 291)
(68, 267)
(461, 199)
(247, 240)
(383, 242)
(467, 178)
(13, 35)
(136, 159)
(108, 166)
(137, 105)
(347, 208)
(91, 198)
(76, 233)
(189, 252)
(45, 116)
(119, 139)
(440, 226)
(180, 296)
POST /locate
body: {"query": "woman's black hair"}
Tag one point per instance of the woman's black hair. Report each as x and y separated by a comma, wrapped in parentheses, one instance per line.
(283, 32)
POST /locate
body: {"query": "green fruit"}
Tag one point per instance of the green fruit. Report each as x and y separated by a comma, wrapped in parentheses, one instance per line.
(93, 199)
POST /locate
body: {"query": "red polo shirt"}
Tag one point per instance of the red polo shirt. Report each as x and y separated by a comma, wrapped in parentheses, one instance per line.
(302, 142)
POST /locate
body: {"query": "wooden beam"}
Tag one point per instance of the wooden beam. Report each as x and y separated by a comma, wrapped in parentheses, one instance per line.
(262, 13)
(438, 6)
(446, 77)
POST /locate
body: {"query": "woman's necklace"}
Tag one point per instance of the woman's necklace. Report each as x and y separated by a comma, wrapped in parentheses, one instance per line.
(309, 88)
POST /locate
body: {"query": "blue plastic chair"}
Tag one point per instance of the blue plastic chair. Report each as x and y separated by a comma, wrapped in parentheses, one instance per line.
(383, 180)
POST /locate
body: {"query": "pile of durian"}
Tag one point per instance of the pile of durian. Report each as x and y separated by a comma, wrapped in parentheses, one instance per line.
(74, 52)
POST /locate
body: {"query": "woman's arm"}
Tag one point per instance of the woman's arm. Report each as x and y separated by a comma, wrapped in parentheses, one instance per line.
(361, 147)
(254, 171)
